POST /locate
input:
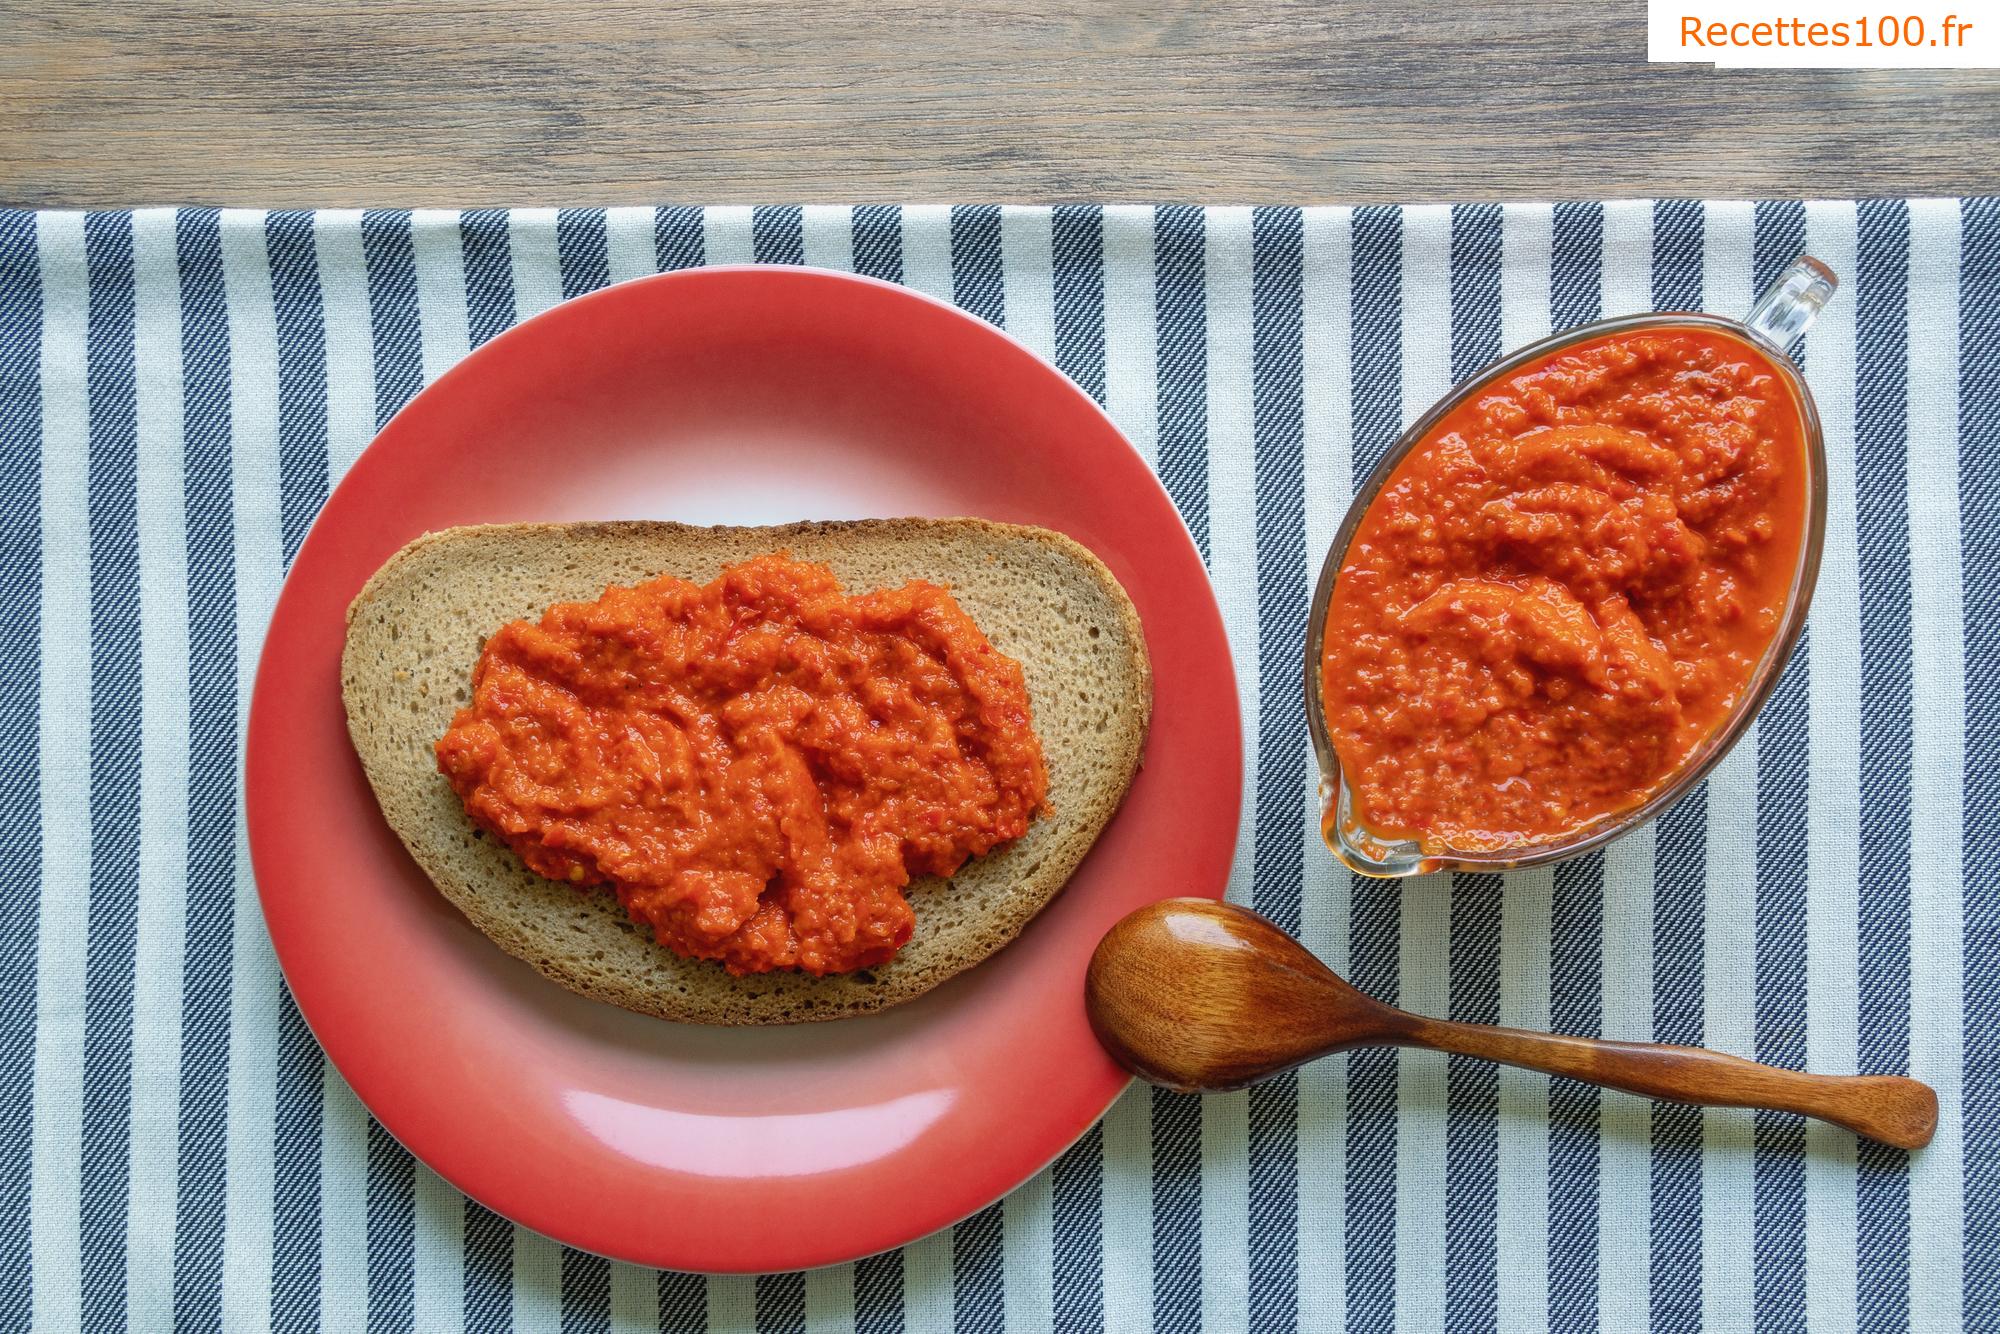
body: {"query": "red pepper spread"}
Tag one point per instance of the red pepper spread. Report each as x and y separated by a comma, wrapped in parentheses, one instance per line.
(1565, 589)
(757, 766)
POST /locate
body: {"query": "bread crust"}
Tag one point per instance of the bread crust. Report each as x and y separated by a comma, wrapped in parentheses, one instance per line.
(417, 626)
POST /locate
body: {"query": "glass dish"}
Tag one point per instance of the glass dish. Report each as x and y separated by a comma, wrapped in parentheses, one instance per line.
(1778, 318)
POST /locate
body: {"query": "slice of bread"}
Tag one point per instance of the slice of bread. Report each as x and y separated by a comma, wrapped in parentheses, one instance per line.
(418, 626)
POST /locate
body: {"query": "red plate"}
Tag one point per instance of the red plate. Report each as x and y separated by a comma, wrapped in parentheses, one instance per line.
(727, 395)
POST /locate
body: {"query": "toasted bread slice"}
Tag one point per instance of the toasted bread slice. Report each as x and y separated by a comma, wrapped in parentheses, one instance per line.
(415, 631)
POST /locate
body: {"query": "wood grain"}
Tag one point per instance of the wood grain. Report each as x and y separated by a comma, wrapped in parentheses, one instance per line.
(465, 102)
(1202, 996)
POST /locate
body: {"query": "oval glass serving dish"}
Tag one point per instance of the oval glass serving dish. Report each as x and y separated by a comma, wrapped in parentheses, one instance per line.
(1779, 317)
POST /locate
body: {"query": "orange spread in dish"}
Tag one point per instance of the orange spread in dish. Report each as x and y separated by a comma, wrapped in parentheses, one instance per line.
(1564, 589)
(757, 766)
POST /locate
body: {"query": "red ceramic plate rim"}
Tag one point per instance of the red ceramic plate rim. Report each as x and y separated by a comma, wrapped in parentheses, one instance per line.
(346, 543)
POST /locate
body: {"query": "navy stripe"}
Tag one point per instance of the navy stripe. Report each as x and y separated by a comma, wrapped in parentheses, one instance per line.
(1181, 309)
(1374, 941)
(302, 487)
(678, 239)
(398, 345)
(1077, 1179)
(778, 234)
(1472, 1113)
(1472, 1088)
(488, 1264)
(1077, 1246)
(1576, 1109)
(20, 725)
(487, 253)
(1180, 301)
(1979, 522)
(391, 1233)
(978, 1299)
(1576, 909)
(975, 262)
(1680, 877)
(878, 241)
(586, 1292)
(878, 1294)
(583, 250)
(1277, 305)
(781, 1303)
(1882, 525)
(488, 1271)
(1679, 231)
(683, 1303)
(1376, 373)
(211, 793)
(1782, 799)
(394, 326)
(1576, 265)
(1475, 288)
(1076, 246)
(114, 769)
(1175, 1129)
(301, 330)
(978, 1293)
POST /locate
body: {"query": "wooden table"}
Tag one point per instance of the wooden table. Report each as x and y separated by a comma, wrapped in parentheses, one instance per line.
(403, 102)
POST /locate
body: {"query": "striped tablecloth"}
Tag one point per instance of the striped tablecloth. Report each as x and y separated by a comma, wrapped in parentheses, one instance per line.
(178, 389)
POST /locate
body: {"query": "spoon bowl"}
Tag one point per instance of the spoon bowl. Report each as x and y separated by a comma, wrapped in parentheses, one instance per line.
(1204, 1001)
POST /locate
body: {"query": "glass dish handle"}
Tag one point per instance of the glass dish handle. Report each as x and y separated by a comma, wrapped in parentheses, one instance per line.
(1789, 306)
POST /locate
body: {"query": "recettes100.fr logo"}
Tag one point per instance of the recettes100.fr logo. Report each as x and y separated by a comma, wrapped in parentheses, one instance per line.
(1834, 34)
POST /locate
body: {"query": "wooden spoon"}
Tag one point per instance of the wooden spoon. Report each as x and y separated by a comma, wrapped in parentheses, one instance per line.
(1200, 996)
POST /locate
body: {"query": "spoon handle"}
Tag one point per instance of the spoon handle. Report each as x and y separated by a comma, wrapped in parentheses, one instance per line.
(1889, 1108)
